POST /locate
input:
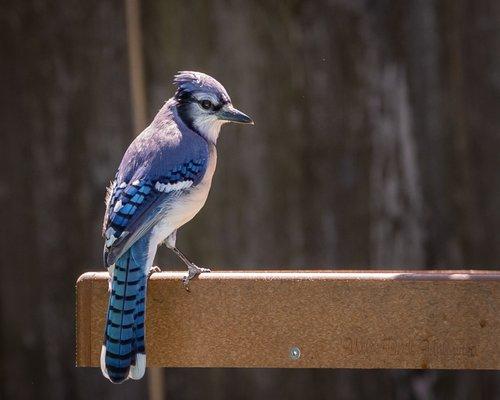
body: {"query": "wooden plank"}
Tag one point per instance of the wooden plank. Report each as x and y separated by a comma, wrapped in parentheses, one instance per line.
(390, 319)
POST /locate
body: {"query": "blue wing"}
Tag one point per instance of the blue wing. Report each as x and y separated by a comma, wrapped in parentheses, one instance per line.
(157, 168)
(134, 207)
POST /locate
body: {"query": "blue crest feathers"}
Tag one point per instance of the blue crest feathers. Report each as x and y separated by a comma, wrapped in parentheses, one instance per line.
(190, 81)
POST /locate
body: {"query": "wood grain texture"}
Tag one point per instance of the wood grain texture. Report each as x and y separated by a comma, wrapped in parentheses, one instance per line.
(391, 319)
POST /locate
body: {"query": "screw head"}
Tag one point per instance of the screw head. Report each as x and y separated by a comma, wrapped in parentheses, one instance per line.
(294, 353)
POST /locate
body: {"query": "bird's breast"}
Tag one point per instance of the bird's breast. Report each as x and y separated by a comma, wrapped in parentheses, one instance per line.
(189, 203)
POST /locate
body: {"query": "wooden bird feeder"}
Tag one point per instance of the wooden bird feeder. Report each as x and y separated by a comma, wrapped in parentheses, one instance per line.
(309, 319)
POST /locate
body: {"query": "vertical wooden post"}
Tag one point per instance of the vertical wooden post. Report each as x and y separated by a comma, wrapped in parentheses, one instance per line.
(156, 385)
(136, 65)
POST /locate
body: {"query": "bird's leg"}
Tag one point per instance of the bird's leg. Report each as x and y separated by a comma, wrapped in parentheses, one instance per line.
(193, 269)
(153, 269)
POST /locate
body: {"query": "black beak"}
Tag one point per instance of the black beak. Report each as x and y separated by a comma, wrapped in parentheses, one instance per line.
(231, 114)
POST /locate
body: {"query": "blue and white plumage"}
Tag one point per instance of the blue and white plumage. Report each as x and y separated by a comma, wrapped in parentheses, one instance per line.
(162, 182)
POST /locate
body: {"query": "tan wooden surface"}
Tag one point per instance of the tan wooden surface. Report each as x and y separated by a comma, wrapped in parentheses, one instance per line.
(391, 319)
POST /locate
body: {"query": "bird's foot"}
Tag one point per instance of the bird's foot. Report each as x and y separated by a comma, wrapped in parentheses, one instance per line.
(153, 269)
(193, 272)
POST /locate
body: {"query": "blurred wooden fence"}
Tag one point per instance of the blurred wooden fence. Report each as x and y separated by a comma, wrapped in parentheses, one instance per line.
(376, 143)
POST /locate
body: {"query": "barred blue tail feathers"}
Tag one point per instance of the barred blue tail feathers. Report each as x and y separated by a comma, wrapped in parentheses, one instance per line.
(123, 352)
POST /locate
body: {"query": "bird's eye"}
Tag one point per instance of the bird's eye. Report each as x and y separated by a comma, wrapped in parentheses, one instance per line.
(206, 104)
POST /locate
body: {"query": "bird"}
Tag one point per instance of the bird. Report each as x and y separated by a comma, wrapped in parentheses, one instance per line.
(162, 182)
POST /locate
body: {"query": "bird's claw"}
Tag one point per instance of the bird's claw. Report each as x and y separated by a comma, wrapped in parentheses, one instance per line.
(153, 269)
(193, 272)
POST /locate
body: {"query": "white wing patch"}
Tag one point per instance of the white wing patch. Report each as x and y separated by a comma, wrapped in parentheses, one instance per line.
(118, 206)
(170, 187)
(110, 236)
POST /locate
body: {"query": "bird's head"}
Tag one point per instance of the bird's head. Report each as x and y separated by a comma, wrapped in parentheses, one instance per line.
(204, 105)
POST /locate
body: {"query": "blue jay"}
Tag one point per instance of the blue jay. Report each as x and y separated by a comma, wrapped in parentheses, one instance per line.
(162, 182)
